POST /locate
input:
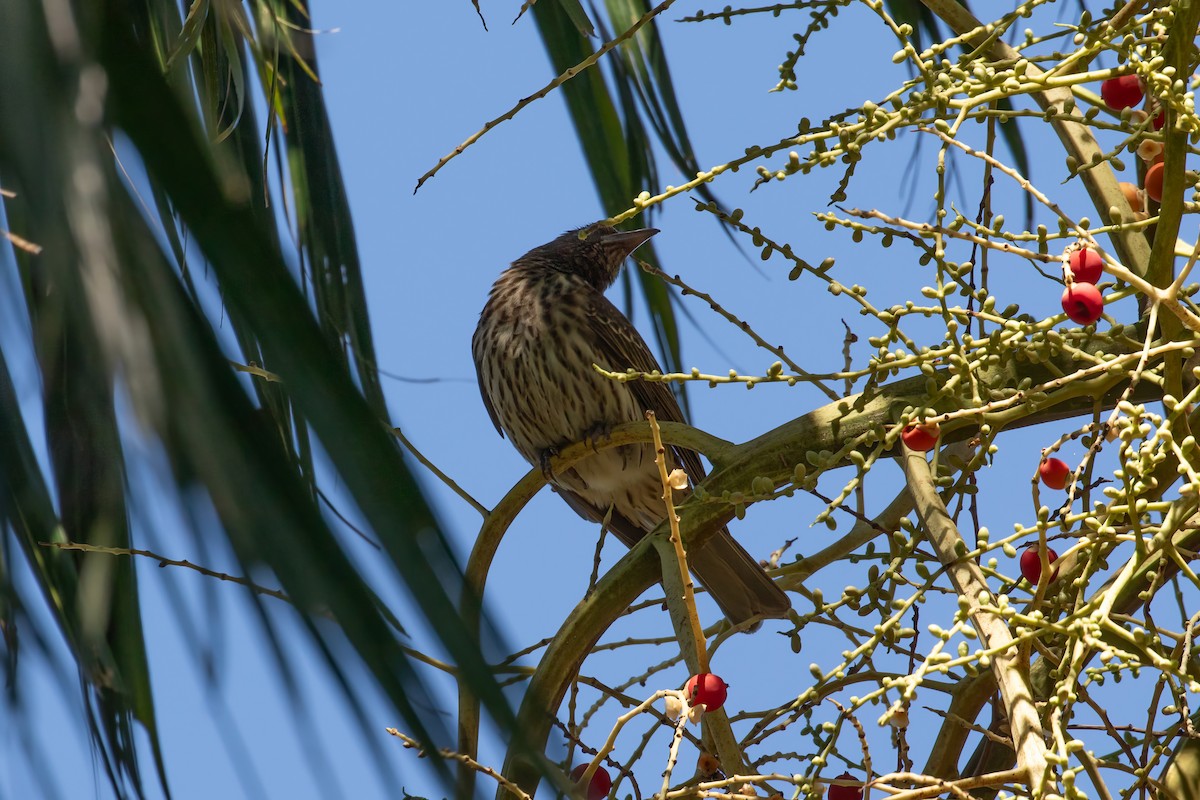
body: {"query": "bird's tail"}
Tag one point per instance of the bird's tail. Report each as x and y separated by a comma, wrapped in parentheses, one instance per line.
(735, 580)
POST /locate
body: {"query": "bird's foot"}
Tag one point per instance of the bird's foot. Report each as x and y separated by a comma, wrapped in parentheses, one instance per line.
(546, 457)
(597, 435)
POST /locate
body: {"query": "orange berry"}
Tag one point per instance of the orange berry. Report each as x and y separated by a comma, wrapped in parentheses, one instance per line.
(1133, 196)
(1153, 183)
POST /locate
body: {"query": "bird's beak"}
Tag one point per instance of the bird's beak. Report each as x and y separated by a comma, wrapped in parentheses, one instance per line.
(626, 242)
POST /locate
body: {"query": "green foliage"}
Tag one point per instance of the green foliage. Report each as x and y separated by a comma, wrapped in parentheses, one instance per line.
(111, 311)
(941, 630)
(961, 353)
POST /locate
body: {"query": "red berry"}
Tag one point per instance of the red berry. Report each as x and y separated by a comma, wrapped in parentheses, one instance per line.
(1083, 303)
(1160, 120)
(707, 689)
(1154, 182)
(837, 792)
(600, 785)
(1122, 92)
(1054, 472)
(1031, 564)
(1086, 265)
(921, 437)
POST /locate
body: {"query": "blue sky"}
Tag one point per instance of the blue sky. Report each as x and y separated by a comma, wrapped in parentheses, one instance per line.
(405, 83)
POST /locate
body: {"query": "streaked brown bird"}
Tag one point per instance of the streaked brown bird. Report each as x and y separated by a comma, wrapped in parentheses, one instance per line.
(545, 324)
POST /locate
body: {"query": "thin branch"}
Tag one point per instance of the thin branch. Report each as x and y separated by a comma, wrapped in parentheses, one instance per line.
(467, 761)
(21, 243)
(163, 561)
(443, 477)
(679, 578)
(743, 326)
(974, 594)
(545, 90)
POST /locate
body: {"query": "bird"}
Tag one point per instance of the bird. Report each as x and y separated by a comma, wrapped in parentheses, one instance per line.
(546, 322)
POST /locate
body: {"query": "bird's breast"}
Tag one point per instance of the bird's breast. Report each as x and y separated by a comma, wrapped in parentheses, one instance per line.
(534, 351)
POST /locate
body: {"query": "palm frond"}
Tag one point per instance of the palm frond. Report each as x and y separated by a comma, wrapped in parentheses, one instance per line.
(119, 307)
(618, 151)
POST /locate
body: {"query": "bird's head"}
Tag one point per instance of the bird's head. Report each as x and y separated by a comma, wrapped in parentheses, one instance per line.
(595, 252)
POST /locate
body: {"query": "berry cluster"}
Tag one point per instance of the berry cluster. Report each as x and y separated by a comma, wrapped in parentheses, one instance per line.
(1126, 91)
(1081, 300)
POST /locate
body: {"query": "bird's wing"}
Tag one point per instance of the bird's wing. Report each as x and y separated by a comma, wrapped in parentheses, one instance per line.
(620, 347)
(487, 401)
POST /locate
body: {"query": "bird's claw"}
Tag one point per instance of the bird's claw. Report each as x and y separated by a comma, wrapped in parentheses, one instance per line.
(547, 456)
(597, 436)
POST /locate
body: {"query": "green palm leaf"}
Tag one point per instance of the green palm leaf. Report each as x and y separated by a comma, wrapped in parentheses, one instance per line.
(116, 300)
(617, 150)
